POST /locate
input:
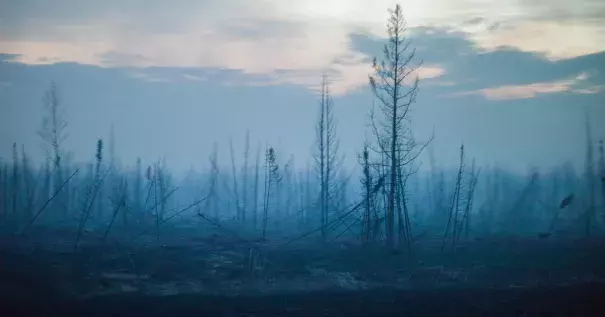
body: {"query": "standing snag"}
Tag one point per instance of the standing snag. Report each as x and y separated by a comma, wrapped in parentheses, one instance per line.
(394, 87)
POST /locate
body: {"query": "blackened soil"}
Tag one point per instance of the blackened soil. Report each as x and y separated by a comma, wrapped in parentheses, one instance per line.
(578, 300)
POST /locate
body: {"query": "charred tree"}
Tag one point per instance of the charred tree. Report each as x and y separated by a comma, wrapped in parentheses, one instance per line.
(394, 87)
(327, 151)
(52, 132)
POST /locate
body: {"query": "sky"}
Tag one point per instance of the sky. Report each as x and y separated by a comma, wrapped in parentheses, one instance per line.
(514, 80)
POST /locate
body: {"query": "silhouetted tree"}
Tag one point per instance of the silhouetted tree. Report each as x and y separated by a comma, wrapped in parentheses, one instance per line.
(388, 82)
(52, 132)
(271, 178)
(325, 159)
(99, 162)
(245, 177)
(235, 186)
(256, 184)
(602, 175)
(589, 181)
(15, 182)
(138, 183)
(366, 185)
(28, 185)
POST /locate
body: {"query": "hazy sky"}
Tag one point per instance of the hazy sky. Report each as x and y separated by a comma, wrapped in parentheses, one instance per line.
(510, 78)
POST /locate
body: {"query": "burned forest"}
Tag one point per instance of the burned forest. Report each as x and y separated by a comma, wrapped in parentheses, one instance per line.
(258, 225)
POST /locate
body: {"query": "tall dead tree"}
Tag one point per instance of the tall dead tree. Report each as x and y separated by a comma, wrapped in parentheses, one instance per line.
(138, 185)
(272, 178)
(15, 184)
(327, 151)
(393, 86)
(99, 162)
(366, 184)
(244, 207)
(212, 201)
(238, 211)
(256, 181)
(590, 184)
(52, 131)
(28, 185)
(602, 175)
(453, 218)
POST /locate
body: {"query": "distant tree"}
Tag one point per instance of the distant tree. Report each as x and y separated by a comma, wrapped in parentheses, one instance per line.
(28, 185)
(53, 133)
(327, 153)
(589, 179)
(366, 185)
(272, 178)
(245, 184)
(15, 183)
(212, 201)
(99, 162)
(602, 175)
(256, 183)
(235, 185)
(138, 183)
(393, 86)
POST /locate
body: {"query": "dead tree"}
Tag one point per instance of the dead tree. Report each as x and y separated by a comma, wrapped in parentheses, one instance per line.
(138, 186)
(287, 185)
(590, 184)
(244, 208)
(602, 175)
(366, 184)
(238, 212)
(28, 185)
(403, 220)
(271, 178)
(15, 183)
(212, 201)
(327, 151)
(452, 222)
(466, 216)
(99, 162)
(256, 181)
(391, 85)
(52, 132)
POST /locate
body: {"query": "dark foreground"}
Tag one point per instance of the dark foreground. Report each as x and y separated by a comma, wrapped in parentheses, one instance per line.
(578, 300)
(43, 275)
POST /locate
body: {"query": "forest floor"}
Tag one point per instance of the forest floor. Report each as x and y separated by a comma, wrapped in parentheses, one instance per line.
(219, 275)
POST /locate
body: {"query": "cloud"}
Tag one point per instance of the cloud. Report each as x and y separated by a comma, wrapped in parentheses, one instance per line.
(307, 38)
(150, 78)
(194, 78)
(533, 90)
(544, 37)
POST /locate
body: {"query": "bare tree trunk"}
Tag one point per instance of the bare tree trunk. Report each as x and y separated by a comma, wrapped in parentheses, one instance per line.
(16, 185)
(256, 181)
(245, 177)
(322, 163)
(367, 184)
(235, 186)
(212, 202)
(589, 175)
(28, 190)
(452, 221)
(602, 176)
(267, 182)
(99, 158)
(389, 86)
(138, 187)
